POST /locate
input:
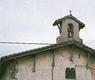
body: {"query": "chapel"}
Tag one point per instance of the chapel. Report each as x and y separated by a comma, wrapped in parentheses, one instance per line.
(68, 59)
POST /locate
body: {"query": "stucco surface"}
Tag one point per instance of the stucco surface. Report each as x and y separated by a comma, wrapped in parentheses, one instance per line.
(43, 66)
(64, 31)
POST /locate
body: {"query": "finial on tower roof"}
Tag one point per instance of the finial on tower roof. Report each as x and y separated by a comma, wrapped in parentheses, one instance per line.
(70, 13)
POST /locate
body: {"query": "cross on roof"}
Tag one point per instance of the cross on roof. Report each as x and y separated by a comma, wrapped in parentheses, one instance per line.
(70, 12)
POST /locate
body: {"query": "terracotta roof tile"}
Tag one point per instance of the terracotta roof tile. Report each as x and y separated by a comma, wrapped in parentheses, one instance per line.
(54, 46)
(58, 21)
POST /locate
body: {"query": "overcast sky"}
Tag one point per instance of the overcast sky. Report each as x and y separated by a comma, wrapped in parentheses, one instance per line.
(31, 21)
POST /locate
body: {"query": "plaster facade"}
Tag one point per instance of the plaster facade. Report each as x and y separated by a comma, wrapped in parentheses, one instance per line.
(44, 69)
(64, 31)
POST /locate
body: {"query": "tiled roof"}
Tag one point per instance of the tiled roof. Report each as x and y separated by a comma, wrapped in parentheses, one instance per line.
(46, 48)
(58, 21)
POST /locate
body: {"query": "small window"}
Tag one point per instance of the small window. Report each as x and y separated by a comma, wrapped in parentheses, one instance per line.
(73, 74)
(70, 30)
(67, 73)
(70, 73)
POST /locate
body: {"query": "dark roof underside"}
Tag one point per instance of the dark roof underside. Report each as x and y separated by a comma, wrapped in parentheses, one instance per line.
(59, 21)
(46, 48)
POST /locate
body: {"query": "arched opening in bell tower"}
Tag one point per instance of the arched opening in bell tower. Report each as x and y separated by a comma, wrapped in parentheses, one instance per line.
(70, 30)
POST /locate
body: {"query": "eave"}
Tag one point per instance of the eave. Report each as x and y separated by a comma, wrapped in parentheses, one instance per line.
(59, 21)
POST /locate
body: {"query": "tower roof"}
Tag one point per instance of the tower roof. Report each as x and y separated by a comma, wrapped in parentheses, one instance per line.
(59, 21)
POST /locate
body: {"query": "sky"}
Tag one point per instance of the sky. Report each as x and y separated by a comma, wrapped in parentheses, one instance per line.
(31, 21)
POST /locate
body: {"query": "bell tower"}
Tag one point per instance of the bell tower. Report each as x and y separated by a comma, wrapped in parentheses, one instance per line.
(69, 28)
